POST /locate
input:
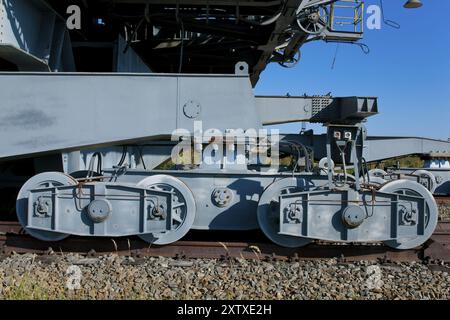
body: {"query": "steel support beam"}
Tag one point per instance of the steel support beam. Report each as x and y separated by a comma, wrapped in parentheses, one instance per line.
(381, 148)
(47, 112)
(320, 109)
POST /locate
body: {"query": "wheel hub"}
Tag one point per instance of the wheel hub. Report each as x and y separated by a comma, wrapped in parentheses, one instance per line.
(43, 210)
(180, 214)
(408, 215)
(268, 212)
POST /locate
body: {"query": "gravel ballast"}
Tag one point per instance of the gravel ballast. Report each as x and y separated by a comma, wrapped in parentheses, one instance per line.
(115, 277)
(71, 276)
(444, 212)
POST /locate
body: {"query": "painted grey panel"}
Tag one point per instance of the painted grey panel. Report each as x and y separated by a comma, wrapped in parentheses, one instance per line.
(245, 187)
(379, 148)
(45, 112)
(221, 103)
(276, 110)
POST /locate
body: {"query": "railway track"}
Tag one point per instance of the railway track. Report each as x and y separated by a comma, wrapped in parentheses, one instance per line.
(228, 245)
(442, 200)
(437, 249)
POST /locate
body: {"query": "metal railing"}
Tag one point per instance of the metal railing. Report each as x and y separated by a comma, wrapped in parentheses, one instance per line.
(347, 16)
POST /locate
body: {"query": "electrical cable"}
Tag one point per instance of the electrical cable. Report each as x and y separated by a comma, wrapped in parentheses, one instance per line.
(180, 65)
(90, 171)
(122, 159)
(133, 35)
(299, 146)
(364, 166)
(364, 47)
(268, 21)
(180, 21)
(388, 22)
(335, 56)
(142, 157)
(344, 166)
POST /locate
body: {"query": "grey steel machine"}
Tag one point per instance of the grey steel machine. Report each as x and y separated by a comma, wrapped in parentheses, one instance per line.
(139, 119)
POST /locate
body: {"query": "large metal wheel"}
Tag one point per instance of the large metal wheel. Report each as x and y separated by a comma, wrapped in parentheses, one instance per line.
(291, 61)
(313, 20)
(183, 208)
(376, 177)
(379, 173)
(323, 164)
(412, 188)
(269, 212)
(42, 180)
(428, 180)
(374, 181)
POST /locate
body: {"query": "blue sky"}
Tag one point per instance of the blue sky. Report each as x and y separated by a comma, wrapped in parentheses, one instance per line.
(408, 69)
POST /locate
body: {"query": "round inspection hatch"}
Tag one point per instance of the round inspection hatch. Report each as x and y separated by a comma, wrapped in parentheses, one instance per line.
(192, 109)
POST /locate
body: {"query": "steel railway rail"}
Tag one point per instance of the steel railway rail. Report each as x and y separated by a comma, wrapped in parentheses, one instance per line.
(442, 200)
(437, 249)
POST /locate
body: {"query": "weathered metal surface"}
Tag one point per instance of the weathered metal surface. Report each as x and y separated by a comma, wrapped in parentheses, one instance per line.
(376, 150)
(441, 233)
(435, 250)
(325, 109)
(55, 112)
(10, 227)
(439, 177)
(64, 114)
(216, 250)
(402, 213)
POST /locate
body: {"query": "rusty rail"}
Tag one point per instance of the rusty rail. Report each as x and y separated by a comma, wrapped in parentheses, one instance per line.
(233, 245)
(442, 200)
(12, 239)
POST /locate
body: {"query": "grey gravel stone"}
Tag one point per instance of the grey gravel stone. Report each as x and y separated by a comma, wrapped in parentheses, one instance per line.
(444, 212)
(84, 262)
(114, 277)
(181, 263)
